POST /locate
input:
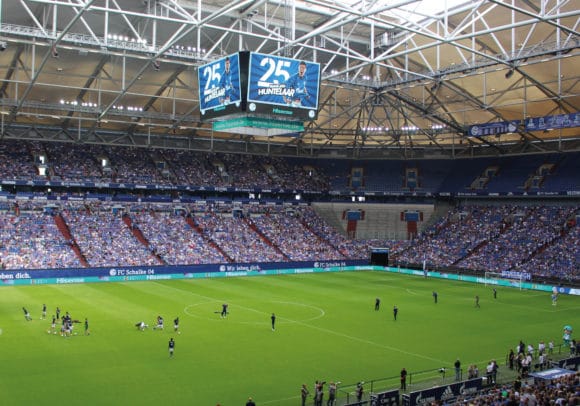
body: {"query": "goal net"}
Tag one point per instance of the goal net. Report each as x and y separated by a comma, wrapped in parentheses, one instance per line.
(499, 279)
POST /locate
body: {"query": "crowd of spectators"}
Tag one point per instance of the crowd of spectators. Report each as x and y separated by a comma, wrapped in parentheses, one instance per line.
(113, 164)
(542, 240)
(458, 234)
(564, 391)
(107, 234)
(16, 162)
(71, 162)
(282, 226)
(105, 239)
(236, 238)
(524, 388)
(192, 169)
(173, 239)
(558, 259)
(31, 239)
(348, 248)
(535, 238)
(528, 229)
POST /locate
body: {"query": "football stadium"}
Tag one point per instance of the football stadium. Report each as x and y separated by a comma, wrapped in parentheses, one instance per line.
(298, 202)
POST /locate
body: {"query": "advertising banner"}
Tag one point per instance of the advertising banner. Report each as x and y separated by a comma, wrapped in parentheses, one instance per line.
(445, 392)
(553, 122)
(503, 127)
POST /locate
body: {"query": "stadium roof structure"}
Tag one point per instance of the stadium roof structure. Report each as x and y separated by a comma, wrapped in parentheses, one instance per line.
(400, 78)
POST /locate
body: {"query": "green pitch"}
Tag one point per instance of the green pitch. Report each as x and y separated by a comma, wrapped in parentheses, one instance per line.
(326, 329)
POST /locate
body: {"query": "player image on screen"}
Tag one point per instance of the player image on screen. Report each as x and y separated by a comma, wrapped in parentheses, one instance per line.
(219, 87)
(298, 95)
(226, 83)
(283, 86)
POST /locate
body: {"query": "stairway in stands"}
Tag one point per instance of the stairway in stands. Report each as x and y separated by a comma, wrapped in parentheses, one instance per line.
(209, 241)
(321, 239)
(65, 231)
(138, 234)
(504, 227)
(264, 238)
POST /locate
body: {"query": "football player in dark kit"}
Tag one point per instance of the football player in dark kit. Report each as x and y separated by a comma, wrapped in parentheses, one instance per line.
(176, 325)
(273, 318)
(171, 346)
(224, 312)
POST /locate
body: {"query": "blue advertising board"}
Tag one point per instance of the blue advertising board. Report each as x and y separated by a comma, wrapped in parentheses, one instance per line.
(503, 127)
(445, 392)
(572, 363)
(553, 373)
(220, 87)
(143, 273)
(386, 398)
(283, 86)
(553, 122)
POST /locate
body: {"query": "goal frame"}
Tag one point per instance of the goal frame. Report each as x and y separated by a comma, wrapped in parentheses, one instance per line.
(497, 276)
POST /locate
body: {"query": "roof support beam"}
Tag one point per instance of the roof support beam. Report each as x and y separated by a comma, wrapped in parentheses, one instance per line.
(47, 55)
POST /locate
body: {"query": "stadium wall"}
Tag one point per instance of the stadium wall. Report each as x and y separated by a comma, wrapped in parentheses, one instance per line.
(125, 274)
(143, 273)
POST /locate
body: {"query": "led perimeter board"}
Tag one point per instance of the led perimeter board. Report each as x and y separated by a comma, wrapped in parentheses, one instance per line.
(220, 87)
(283, 87)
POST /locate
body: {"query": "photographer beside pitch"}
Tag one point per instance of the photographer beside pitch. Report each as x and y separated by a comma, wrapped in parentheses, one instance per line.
(304, 392)
(359, 391)
(331, 393)
(319, 393)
